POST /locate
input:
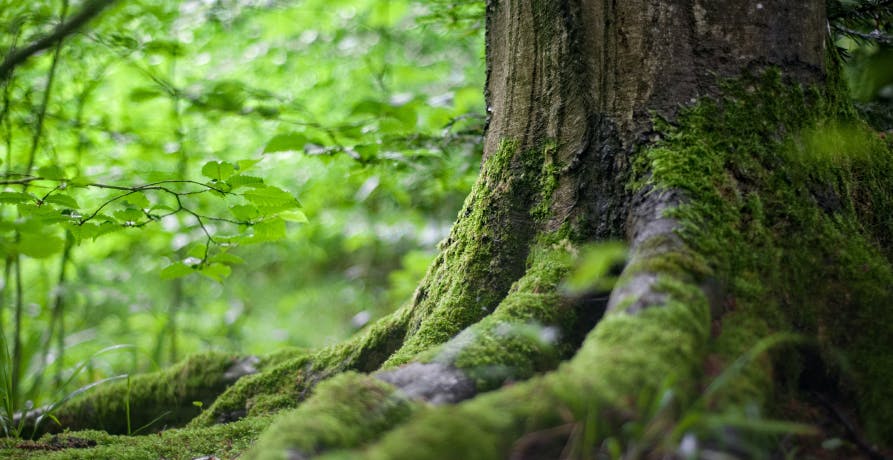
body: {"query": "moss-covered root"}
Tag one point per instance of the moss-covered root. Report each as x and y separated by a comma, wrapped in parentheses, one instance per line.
(150, 401)
(287, 383)
(344, 412)
(220, 441)
(577, 405)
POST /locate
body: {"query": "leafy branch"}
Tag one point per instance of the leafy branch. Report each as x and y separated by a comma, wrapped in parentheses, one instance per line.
(91, 9)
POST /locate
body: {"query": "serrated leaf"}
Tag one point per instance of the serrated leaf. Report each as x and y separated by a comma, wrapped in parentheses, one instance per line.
(218, 170)
(217, 272)
(244, 165)
(244, 181)
(289, 142)
(271, 199)
(176, 270)
(51, 172)
(62, 200)
(40, 245)
(293, 216)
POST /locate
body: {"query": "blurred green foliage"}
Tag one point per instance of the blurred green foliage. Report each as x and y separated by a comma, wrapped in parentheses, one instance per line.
(327, 147)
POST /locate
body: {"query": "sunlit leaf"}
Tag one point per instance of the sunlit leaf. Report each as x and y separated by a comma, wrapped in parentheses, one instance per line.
(289, 142)
(176, 270)
(271, 199)
(218, 170)
(62, 200)
(244, 181)
(293, 216)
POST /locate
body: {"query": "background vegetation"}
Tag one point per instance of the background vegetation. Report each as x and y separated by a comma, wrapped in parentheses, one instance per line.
(244, 175)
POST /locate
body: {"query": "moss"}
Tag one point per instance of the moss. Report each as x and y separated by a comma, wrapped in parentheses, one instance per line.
(221, 441)
(619, 360)
(156, 400)
(287, 382)
(343, 412)
(789, 196)
(524, 334)
(483, 256)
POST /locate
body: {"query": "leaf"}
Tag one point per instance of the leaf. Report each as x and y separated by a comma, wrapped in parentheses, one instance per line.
(218, 170)
(289, 142)
(176, 270)
(245, 212)
(145, 93)
(293, 216)
(62, 200)
(51, 172)
(271, 230)
(137, 200)
(129, 216)
(244, 165)
(244, 181)
(227, 258)
(271, 199)
(40, 245)
(216, 271)
(16, 197)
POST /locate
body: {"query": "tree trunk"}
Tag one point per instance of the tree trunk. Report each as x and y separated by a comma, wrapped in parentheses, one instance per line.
(716, 140)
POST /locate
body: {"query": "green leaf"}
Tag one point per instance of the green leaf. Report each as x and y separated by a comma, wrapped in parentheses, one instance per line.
(244, 181)
(244, 165)
(51, 172)
(269, 199)
(40, 245)
(16, 197)
(271, 230)
(137, 200)
(145, 93)
(62, 200)
(227, 258)
(293, 216)
(218, 170)
(176, 270)
(129, 216)
(216, 271)
(289, 142)
(245, 212)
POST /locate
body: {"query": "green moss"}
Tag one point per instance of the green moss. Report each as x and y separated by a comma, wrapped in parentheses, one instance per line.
(155, 400)
(483, 256)
(789, 197)
(523, 335)
(285, 383)
(343, 412)
(221, 441)
(622, 357)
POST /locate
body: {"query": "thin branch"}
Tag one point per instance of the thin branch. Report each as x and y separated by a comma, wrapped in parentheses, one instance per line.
(90, 10)
(875, 36)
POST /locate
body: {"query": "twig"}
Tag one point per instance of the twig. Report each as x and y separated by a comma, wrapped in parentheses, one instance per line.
(90, 10)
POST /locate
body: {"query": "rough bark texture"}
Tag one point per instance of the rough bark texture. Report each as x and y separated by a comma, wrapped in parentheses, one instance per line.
(714, 138)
